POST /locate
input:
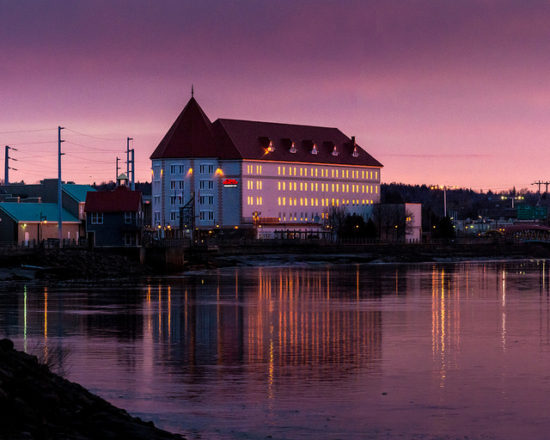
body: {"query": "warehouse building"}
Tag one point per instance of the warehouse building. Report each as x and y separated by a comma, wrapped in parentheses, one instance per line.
(234, 173)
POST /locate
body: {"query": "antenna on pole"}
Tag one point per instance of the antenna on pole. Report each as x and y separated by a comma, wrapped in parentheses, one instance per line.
(128, 139)
(117, 168)
(133, 170)
(192, 91)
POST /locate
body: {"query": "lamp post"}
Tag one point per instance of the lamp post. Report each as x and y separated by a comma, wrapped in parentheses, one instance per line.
(444, 188)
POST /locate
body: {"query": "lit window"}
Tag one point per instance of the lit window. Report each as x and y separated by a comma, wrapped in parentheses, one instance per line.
(279, 185)
(278, 171)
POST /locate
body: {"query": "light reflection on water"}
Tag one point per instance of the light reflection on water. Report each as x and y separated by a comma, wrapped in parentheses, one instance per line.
(433, 351)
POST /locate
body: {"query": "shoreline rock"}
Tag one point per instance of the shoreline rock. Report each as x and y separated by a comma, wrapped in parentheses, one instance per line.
(38, 404)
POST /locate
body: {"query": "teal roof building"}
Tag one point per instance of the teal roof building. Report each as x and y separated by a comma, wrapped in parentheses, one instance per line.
(36, 212)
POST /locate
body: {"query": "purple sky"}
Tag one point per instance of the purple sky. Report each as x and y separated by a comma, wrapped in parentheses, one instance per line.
(447, 92)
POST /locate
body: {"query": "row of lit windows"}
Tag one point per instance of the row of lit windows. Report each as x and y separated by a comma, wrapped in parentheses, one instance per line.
(326, 172)
(305, 186)
(313, 201)
(303, 216)
(253, 169)
(250, 200)
(250, 184)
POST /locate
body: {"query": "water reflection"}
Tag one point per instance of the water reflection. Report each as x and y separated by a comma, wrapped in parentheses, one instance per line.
(256, 347)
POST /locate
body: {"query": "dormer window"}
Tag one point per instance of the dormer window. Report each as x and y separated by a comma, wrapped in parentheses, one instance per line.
(335, 151)
(355, 152)
(287, 143)
(267, 144)
(314, 149)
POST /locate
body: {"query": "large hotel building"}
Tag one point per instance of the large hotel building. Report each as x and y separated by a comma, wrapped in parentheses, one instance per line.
(235, 173)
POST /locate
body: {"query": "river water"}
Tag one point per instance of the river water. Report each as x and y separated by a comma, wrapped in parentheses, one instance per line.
(425, 351)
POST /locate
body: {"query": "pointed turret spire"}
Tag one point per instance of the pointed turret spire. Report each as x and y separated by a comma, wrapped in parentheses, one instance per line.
(191, 135)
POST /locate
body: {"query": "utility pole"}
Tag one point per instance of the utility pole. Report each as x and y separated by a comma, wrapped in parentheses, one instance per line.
(539, 183)
(7, 164)
(117, 168)
(59, 189)
(128, 139)
(133, 182)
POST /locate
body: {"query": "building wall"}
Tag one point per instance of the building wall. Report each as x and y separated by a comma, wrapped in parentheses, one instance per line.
(114, 231)
(304, 192)
(176, 181)
(413, 211)
(8, 229)
(288, 191)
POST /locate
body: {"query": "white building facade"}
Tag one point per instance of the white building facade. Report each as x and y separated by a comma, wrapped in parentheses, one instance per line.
(243, 173)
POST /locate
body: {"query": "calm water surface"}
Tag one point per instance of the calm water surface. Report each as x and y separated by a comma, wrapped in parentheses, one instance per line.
(408, 351)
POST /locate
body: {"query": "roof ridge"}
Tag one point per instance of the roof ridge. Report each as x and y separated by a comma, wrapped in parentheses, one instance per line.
(276, 123)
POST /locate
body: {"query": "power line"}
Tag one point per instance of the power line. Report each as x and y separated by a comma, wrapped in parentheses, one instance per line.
(94, 148)
(27, 131)
(86, 158)
(92, 136)
(19, 144)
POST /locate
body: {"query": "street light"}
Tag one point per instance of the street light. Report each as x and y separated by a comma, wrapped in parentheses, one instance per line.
(513, 198)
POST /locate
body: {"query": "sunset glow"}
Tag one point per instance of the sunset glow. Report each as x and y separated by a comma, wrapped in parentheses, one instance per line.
(437, 91)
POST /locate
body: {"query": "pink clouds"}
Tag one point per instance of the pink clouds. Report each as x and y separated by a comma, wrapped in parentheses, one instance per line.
(440, 80)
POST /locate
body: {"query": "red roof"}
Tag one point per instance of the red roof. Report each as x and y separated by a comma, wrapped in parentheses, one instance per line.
(193, 135)
(121, 199)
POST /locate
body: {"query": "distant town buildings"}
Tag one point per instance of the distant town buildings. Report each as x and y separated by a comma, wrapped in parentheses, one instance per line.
(34, 208)
(233, 173)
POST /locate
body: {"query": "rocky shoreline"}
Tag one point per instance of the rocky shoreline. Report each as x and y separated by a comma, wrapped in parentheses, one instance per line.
(38, 404)
(89, 266)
